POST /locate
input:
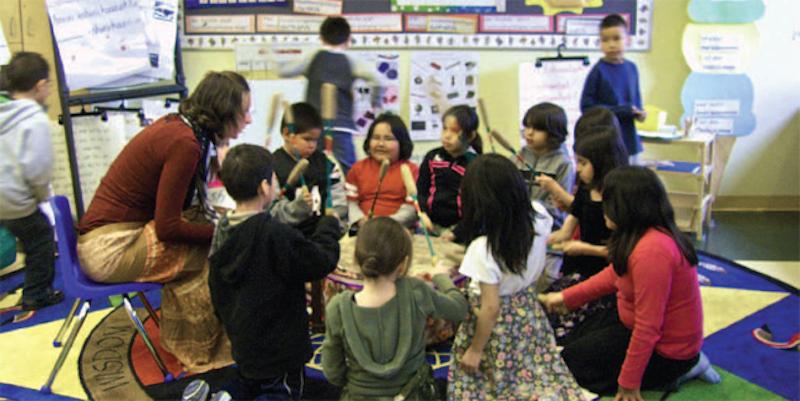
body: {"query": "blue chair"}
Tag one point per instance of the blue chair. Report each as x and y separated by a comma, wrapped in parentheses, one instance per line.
(78, 285)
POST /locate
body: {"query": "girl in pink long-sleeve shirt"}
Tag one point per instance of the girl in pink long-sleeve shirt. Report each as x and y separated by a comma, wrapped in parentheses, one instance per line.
(656, 337)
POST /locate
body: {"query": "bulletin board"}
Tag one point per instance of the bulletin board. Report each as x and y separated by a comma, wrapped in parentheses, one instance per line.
(414, 24)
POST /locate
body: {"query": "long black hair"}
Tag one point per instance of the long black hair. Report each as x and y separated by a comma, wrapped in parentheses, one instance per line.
(604, 150)
(635, 200)
(496, 204)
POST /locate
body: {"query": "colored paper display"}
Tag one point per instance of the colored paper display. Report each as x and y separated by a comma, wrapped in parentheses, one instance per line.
(721, 104)
(726, 11)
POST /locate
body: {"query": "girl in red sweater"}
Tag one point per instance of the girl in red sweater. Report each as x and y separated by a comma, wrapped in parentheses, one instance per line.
(655, 340)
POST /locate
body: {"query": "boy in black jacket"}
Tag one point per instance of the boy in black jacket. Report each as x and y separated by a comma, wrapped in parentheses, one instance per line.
(259, 268)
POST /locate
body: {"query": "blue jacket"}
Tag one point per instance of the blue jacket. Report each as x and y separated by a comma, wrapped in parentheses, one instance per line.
(616, 87)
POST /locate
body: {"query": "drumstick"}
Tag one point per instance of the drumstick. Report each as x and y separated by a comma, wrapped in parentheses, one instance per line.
(277, 100)
(482, 111)
(507, 146)
(294, 176)
(328, 106)
(411, 190)
(288, 116)
(297, 157)
(381, 174)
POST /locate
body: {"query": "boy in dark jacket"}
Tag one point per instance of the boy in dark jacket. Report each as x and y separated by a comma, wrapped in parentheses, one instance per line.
(259, 268)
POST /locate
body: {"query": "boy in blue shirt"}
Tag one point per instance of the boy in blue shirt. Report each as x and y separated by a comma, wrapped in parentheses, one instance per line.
(614, 82)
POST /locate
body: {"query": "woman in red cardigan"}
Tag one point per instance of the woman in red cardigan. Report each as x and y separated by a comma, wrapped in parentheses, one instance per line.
(656, 337)
(150, 220)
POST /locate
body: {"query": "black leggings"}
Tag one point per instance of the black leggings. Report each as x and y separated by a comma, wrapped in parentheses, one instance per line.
(596, 349)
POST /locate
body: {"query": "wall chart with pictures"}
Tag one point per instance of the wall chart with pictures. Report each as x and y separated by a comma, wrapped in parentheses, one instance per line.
(398, 24)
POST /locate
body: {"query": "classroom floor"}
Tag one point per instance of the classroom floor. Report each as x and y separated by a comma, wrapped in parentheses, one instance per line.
(767, 242)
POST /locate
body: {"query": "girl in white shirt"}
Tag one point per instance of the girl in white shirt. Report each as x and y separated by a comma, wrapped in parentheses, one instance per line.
(505, 349)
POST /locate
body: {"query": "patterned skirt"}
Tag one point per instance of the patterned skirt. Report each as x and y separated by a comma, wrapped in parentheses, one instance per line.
(563, 324)
(131, 252)
(520, 361)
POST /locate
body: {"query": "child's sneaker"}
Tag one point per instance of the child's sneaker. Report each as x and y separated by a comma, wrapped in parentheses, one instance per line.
(197, 390)
(52, 298)
(221, 396)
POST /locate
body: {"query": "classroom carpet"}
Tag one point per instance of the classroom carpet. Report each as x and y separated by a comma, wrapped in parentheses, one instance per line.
(110, 362)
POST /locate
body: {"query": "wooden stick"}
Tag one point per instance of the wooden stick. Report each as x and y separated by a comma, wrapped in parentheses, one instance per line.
(507, 146)
(328, 101)
(381, 175)
(277, 100)
(328, 106)
(288, 116)
(482, 111)
(411, 190)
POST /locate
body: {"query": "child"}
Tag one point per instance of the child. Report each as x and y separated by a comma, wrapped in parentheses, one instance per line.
(259, 268)
(505, 350)
(304, 211)
(375, 339)
(614, 82)
(657, 335)
(595, 116)
(27, 165)
(598, 154)
(439, 181)
(387, 138)
(332, 64)
(545, 132)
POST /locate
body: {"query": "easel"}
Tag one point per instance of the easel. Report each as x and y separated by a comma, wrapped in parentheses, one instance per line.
(68, 99)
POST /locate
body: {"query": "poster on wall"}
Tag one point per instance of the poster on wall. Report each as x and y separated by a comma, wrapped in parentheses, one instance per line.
(386, 67)
(557, 82)
(439, 80)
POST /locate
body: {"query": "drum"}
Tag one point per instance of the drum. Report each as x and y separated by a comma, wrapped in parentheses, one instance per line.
(347, 275)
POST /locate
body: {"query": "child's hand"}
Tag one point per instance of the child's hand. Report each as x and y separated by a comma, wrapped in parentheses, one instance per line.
(546, 182)
(443, 267)
(471, 360)
(304, 194)
(556, 237)
(448, 236)
(553, 302)
(574, 248)
(639, 114)
(624, 394)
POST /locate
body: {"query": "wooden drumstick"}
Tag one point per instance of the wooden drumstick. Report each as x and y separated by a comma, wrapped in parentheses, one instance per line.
(277, 100)
(507, 146)
(482, 111)
(328, 106)
(294, 176)
(381, 175)
(411, 190)
(288, 116)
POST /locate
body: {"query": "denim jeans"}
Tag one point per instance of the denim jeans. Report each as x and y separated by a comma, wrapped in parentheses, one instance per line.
(36, 236)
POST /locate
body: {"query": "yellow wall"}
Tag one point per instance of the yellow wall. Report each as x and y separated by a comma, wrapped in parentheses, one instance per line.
(662, 74)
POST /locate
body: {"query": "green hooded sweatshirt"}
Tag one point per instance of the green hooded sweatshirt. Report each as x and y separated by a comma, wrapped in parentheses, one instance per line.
(373, 352)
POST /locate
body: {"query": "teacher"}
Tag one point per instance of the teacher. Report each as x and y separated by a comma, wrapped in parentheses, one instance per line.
(150, 220)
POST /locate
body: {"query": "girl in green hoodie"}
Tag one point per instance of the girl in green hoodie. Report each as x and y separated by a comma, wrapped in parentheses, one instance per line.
(375, 339)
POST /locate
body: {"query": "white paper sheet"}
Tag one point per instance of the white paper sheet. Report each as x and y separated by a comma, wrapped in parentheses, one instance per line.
(99, 42)
(559, 83)
(439, 80)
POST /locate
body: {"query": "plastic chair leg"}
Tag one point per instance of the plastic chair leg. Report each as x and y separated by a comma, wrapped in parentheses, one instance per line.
(150, 310)
(67, 323)
(65, 351)
(149, 344)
